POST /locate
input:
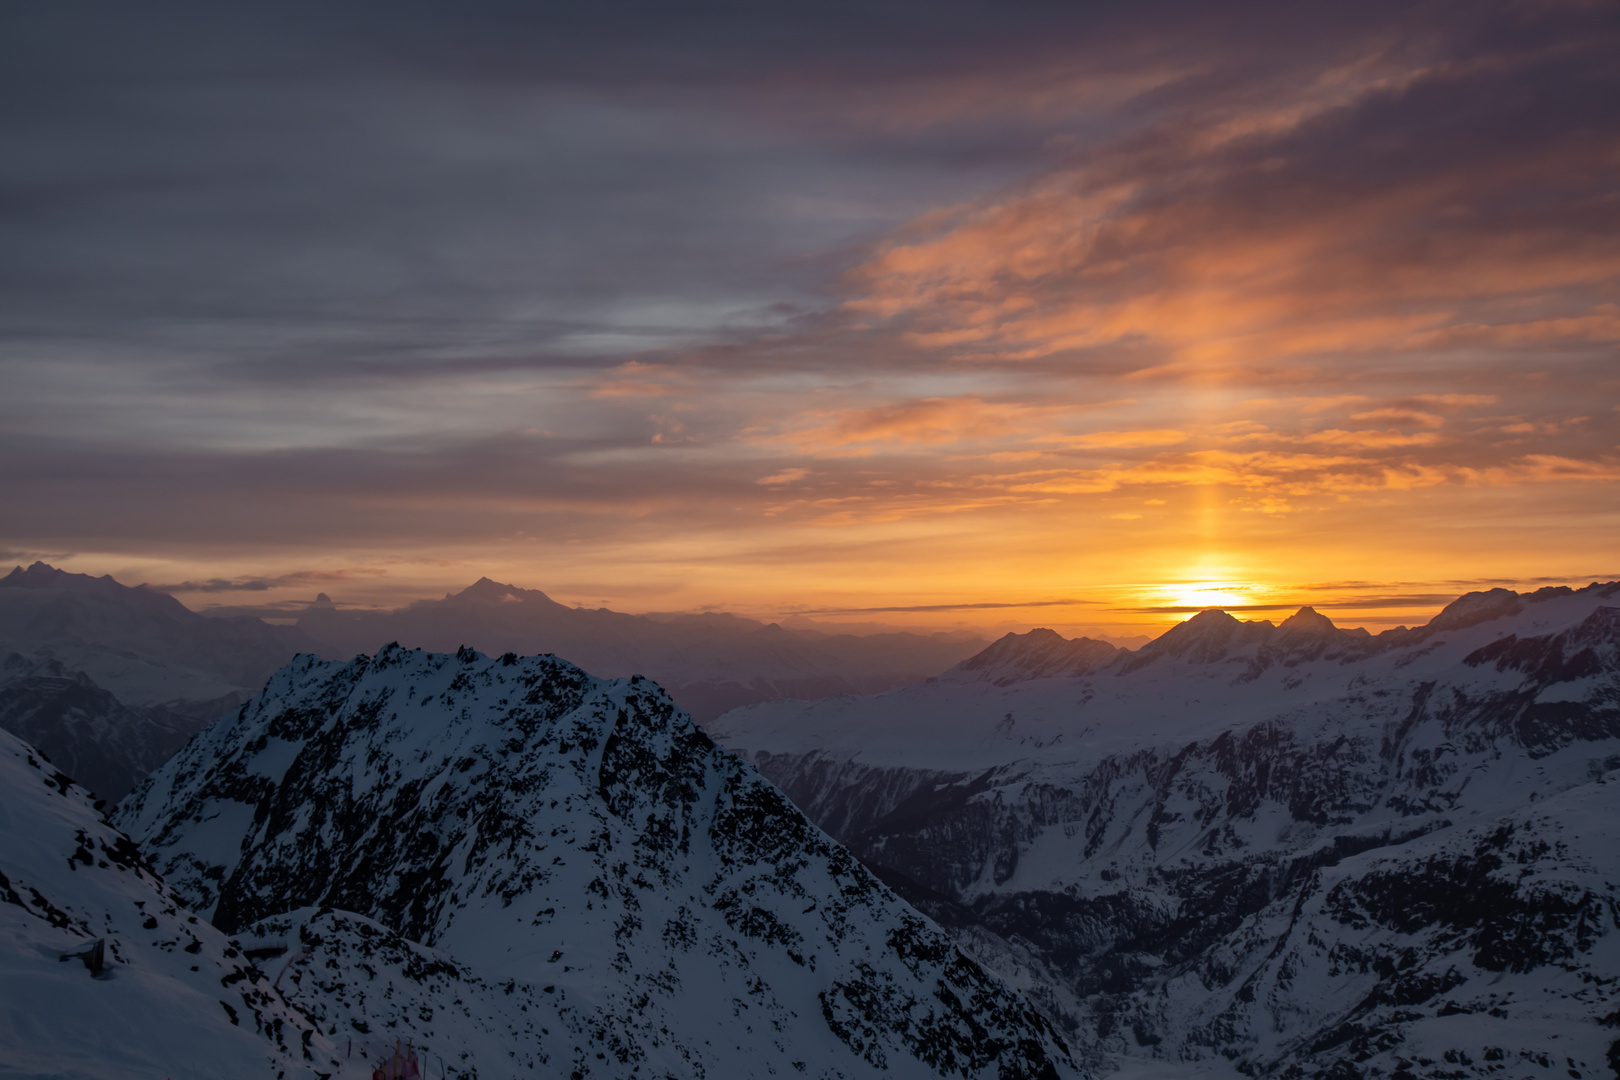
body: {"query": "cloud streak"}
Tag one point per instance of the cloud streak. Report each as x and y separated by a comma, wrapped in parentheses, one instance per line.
(822, 306)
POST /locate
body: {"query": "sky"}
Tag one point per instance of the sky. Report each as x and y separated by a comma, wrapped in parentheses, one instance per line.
(1085, 315)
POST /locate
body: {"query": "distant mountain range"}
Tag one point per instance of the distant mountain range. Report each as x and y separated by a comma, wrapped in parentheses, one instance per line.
(1293, 851)
(142, 645)
(709, 663)
(1300, 850)
(108, 680)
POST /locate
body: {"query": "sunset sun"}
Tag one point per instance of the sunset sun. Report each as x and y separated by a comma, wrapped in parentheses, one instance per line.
(1209, 594)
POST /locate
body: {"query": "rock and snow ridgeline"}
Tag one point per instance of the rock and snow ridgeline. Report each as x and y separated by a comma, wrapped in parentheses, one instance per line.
(1302, 850)
(519, 867)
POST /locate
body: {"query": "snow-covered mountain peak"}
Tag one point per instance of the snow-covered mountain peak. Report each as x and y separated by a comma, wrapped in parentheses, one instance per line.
(1474, 608)
(1206, 638)
(579, 842)
(1039, 654)
(40, 576)
(487, 591)
(1307, 621)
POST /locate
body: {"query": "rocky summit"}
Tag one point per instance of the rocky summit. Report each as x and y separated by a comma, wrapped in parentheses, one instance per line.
(514, 868)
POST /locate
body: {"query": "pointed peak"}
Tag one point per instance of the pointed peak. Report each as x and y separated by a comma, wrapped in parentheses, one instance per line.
(488, 590)
(1211, 617)
(37, 571)
(1307, 620)
(42, 575)
(1473, 608)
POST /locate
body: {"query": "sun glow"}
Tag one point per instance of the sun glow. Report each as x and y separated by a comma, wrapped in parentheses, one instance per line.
(1209, 594)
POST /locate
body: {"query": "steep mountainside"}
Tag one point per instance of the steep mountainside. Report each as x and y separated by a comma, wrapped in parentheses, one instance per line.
(519, 867)
(173, 998)
(708, 663)
(102, 743)
(145, 647)
(1309, 851)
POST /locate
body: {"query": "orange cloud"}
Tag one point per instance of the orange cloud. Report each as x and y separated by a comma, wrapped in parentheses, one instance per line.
(924, 422)
(636, 380)
(1125, 440)
(1246, 244)
(785, 476)
(1411, 416)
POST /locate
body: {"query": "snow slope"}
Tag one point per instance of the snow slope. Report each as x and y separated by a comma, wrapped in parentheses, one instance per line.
(1296, 848)
(519, 867)
(175, 999)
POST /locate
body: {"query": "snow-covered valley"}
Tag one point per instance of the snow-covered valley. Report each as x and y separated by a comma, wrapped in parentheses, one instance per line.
(1294, 850)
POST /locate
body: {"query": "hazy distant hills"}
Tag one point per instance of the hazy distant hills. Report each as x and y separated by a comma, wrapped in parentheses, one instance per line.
(109, 680)
(708, 663)
(1307, 851)
(142, 645)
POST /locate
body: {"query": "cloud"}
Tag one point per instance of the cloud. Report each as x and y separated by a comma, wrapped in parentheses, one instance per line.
(1125, 440)
(856, 293)
(930, 421)
(296, 579)
(783, 476)
(917, 608)
(25, 557)
(1410, 416)
(1415, 203)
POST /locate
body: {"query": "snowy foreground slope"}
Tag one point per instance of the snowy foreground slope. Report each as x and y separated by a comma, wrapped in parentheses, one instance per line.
(523, 870)
(174, 998)
(1300, 850)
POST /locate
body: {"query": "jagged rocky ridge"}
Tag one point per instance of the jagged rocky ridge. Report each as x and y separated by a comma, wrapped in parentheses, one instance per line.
(1304, 851)
(520, 868)
(174, 997)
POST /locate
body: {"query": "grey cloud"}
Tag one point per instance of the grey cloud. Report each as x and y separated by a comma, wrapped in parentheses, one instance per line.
(216, 218)
(264, 584)
(918, 608)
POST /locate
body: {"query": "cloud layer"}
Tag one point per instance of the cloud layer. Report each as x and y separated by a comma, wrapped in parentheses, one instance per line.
(850, 307)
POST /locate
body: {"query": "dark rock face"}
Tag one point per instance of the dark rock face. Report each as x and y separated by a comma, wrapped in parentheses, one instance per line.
(1413, 871)
(105, 745)
(449, 822)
